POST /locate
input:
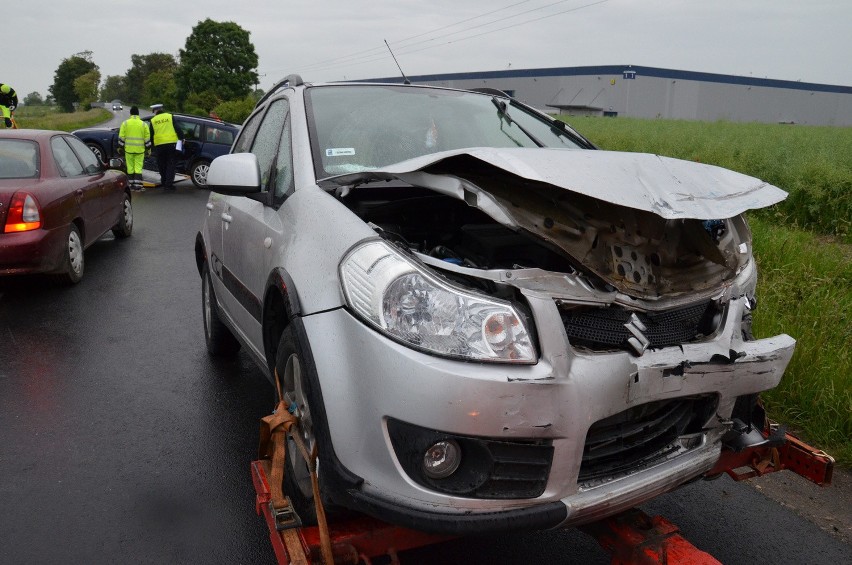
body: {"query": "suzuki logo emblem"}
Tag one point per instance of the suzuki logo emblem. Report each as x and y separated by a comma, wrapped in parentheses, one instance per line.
(638, 342)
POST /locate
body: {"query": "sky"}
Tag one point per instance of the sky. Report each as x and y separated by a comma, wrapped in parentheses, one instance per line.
(330, 40)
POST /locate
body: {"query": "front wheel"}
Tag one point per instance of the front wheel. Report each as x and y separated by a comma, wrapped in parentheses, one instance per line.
(297, 475)
(124, 227)
(198, 173)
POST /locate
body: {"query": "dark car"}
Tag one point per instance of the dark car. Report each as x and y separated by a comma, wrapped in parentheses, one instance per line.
(56, 199)
(204, 139)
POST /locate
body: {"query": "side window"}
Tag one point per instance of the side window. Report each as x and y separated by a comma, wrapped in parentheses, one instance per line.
(219, 136)
(90, 162)
(284, 164)
(247, 134)
(68, 163)
(190, 131)
(265, 145)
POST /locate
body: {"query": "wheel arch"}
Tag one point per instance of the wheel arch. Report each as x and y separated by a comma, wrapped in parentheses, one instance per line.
(281, 309)
(280, 306)
(200, 253)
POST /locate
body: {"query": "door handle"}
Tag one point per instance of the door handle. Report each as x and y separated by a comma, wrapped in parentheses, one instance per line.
(227, 218)
(209, 206)
(79, 192)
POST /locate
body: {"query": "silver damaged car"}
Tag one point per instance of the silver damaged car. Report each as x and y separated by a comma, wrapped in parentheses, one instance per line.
(483, 321)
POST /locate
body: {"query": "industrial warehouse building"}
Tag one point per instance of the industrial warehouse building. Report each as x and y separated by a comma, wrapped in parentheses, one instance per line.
(649, 92)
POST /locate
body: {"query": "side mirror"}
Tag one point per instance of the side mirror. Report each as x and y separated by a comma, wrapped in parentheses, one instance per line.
(235, 174)
(116, 163)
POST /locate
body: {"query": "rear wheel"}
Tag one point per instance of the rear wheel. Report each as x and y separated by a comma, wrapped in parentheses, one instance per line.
(220, 341)
(124, 227)
(198, 173)
(98, 151)
(73, 257)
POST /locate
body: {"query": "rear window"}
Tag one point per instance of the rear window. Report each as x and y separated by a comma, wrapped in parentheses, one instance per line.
(18, 159)
(219, 136)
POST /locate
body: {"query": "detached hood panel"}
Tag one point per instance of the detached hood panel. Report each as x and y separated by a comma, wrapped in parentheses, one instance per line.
(669, 188)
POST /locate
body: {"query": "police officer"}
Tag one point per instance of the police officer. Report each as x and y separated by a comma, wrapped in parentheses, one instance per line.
(8, 102)
(134, 139)
(165, 141)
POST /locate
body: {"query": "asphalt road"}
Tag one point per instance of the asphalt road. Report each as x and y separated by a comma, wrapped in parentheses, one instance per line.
(122, 441)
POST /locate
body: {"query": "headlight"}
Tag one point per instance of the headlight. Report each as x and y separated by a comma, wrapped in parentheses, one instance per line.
(411, 305)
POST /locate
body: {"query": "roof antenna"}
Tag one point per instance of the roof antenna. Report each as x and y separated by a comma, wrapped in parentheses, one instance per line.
(405, 78)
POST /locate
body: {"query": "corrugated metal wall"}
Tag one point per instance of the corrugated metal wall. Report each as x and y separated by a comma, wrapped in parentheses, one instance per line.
(649, 92)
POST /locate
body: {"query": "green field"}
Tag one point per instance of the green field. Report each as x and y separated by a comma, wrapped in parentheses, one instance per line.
(803, 247)
(48, 117)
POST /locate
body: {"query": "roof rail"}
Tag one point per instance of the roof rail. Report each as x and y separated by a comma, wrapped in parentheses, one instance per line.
(289, 80)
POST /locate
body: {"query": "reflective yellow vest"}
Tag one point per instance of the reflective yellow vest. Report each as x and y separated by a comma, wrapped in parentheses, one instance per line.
(164, 129)
(134, 133)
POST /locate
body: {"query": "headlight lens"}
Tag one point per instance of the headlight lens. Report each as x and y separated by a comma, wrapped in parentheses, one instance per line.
(408, 303)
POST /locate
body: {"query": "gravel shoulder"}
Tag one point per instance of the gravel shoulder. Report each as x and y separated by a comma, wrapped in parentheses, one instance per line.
(830, 507)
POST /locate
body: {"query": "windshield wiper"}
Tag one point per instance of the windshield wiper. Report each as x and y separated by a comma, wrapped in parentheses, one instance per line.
(503, 112)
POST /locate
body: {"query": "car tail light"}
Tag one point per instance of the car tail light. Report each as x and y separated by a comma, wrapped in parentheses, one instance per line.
(24, 213)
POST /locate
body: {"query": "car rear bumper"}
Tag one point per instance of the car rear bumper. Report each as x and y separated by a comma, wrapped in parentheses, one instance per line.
(31, 252)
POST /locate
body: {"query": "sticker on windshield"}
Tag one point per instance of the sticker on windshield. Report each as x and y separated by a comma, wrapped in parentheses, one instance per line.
(338, 151)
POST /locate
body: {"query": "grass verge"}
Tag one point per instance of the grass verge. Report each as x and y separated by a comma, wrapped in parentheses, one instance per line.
(49, 117)
(805, 290)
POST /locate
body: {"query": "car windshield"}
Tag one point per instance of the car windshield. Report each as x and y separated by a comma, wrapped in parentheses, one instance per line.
(365, 127)
(18, 159)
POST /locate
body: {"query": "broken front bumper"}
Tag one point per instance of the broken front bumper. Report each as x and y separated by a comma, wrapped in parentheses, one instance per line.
(367, 379)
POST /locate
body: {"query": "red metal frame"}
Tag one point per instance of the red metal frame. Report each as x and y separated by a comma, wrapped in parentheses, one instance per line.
(634, 538)
(794, 455)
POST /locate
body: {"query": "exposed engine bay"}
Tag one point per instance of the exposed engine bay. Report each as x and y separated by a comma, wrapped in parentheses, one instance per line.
(636, 252)
(636, 267)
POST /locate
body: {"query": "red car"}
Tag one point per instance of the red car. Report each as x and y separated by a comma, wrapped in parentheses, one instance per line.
(56, 199)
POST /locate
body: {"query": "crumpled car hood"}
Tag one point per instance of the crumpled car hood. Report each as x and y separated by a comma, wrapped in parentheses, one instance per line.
(670, 188)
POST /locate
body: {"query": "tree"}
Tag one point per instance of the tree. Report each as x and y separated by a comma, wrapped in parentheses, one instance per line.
(201, 103)
(142, 67)
(114, 88)
(160, 89)
(33, 99)
(218, 57)
(86, 88)
(63, 88)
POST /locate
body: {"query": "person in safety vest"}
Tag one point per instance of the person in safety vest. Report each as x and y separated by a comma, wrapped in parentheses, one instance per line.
(8, 102)
(134, 140)
(165, 141)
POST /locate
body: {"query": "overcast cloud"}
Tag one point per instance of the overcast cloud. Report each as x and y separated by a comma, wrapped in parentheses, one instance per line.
(339, 39)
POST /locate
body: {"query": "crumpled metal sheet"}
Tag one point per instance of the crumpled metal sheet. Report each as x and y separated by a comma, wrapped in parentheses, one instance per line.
(670, 188)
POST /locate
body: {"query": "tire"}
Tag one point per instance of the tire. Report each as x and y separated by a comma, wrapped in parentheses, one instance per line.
(198, 173)
(294, 382)
(124, 227)
(218, 337)
(98, 151)
(74, 260)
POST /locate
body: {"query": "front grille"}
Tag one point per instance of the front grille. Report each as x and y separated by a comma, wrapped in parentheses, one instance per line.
(641, 435)
(603, 328)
